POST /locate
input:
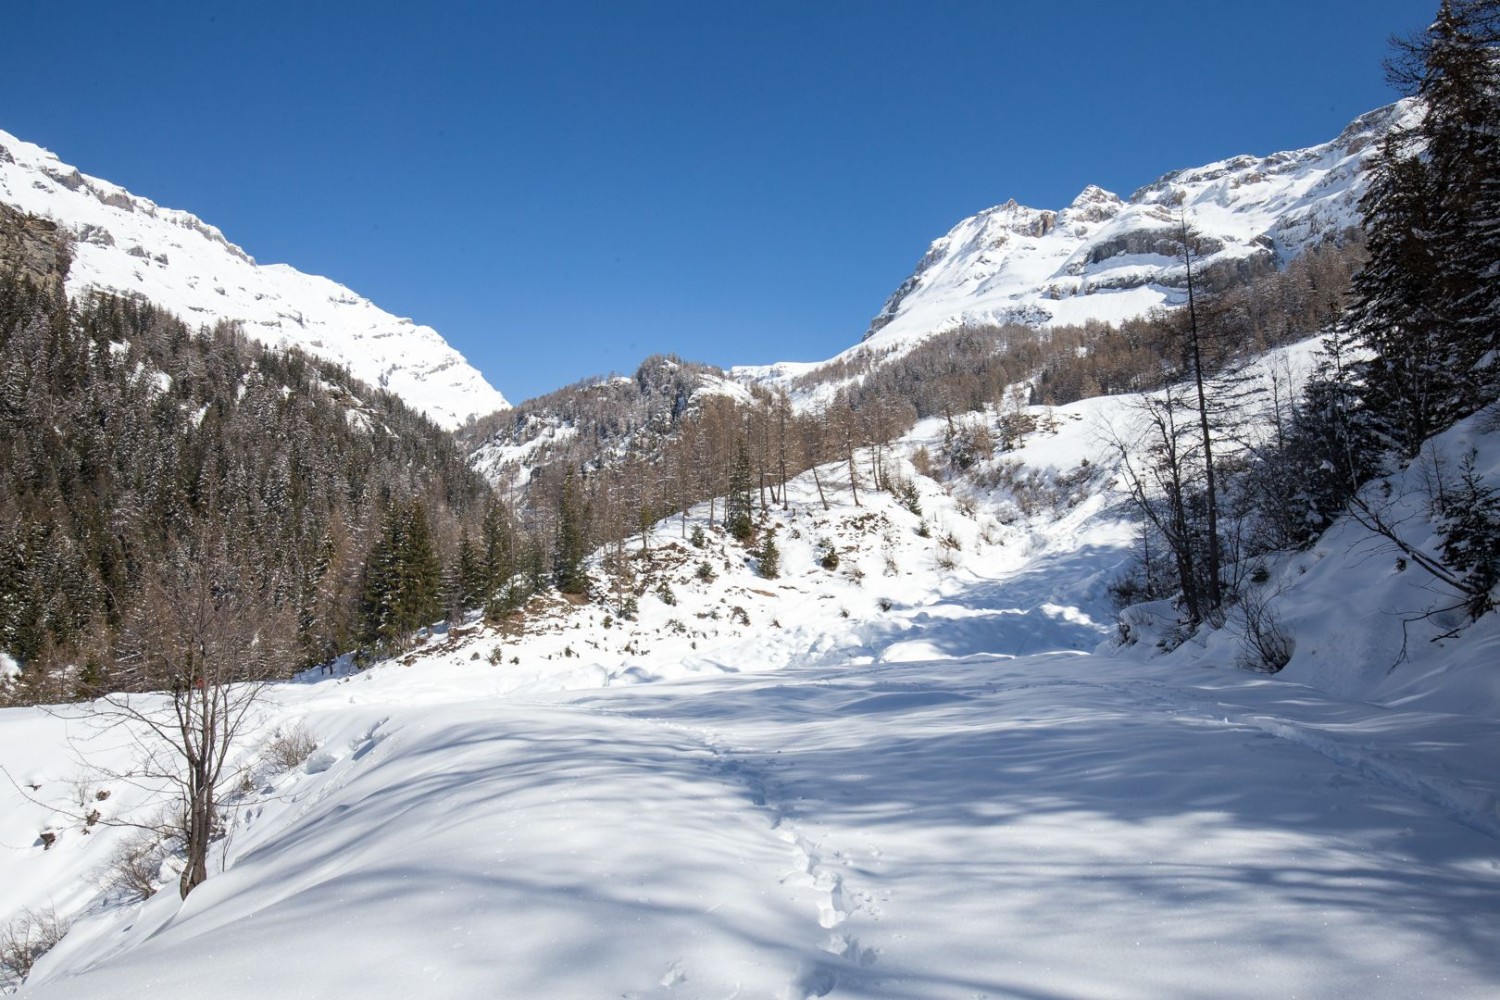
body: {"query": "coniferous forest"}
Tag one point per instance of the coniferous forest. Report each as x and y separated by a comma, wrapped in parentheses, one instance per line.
(137, 450)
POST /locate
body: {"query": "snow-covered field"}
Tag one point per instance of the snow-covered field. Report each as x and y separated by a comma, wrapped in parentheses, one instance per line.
(920, 773)
(1049, 826)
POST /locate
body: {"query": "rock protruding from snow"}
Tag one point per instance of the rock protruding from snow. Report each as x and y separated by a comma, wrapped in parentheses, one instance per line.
(1103, 258)
(129, 245)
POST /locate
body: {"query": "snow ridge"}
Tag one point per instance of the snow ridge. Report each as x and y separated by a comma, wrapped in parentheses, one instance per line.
(1104, 258)
(129, 245)
(1107, 259)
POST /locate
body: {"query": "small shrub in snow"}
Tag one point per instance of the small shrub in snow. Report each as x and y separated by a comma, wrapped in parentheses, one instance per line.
(289, 747)
(1266, 644)
(664, 593)
(27, 937)
(830, 557)
(706, 572)
(697, 538)
(629, 608)
(133, 872)
(739, 615)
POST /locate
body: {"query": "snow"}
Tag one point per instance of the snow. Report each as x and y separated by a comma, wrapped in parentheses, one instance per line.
(981, 826)
(1040, 268)
(128, 245)
(924, 773)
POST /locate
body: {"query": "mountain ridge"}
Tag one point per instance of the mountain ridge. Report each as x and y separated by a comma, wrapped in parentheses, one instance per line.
(128, 244)
(1108, 259)
(993, 266)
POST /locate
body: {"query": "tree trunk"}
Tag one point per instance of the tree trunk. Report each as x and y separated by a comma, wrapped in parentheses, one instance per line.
(1215, 597)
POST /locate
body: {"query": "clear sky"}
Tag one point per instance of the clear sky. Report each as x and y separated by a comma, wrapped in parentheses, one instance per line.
(564, 188)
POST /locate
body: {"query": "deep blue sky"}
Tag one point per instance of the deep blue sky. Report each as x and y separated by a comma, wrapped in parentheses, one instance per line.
(563, 188)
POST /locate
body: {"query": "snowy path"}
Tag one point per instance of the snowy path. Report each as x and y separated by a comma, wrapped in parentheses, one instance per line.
(1048, 827)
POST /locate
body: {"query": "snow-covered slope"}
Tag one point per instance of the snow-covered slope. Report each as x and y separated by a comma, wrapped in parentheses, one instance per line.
(1106, 258)
(899, 775)
(128, 244)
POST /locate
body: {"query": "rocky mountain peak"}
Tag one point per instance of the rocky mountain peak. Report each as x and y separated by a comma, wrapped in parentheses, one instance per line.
(1104, 258)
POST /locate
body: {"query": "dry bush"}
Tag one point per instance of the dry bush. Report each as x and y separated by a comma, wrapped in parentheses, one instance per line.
(1266, 644)
(27, 937)
(134, 869)
(289, 747)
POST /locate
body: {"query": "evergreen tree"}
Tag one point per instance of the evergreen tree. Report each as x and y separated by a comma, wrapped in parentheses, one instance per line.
(571, 544)
(383, 611)
(1411, 385)
(769, 563)
(471, 582)
(1330, 447)
(403, 577)
(422, 580)
(1426, 300)
(1471, 537)
(739, 504)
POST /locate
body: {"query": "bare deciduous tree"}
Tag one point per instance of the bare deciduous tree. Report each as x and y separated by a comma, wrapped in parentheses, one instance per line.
(204, 640)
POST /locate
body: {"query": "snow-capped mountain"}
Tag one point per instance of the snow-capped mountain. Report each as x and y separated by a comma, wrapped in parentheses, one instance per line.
(130, 245)
(1106, 258)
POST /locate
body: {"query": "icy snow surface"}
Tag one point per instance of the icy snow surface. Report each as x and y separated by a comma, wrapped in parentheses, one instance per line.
(129, 245)
(904, 777)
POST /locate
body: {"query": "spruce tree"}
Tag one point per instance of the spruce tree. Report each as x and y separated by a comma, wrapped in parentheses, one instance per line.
(739, 505)
(403, 577)
(571, 544)
(1410, 385)
(382, 600)
(1426, 300)
(422, 571)
(1470, 526)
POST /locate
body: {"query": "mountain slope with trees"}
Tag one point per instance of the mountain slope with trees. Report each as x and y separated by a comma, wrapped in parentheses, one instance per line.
(135, 447)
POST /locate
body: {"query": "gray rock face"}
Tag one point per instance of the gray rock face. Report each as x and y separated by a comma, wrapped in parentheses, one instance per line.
(36, 248)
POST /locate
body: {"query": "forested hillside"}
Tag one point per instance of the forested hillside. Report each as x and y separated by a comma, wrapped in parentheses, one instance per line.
(138, 451)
